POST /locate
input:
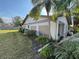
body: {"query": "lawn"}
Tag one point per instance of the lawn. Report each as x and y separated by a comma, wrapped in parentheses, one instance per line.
(13, 45)
(6, 31)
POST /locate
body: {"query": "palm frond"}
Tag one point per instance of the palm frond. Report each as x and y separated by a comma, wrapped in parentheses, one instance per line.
(35, 2)
(68, 50)
(35, 12)
(76, 10)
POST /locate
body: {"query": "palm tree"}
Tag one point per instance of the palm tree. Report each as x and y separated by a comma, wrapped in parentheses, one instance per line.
(58, 6)
(64, 8)
(39, 4)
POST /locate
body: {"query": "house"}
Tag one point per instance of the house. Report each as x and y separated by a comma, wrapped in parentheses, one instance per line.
(57, 29)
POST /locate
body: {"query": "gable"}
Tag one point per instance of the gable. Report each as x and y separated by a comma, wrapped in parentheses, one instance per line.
(32, 20)
(62, 19)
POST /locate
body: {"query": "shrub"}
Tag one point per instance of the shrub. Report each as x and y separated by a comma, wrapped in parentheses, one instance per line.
(26, 30)
(67, 50)
(31, 34)
(42, 40)
(47, 52)
(21, 30)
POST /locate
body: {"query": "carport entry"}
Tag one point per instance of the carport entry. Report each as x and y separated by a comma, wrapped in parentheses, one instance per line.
(61, 29)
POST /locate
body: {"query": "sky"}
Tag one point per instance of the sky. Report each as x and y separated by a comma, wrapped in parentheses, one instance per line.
(11, 8)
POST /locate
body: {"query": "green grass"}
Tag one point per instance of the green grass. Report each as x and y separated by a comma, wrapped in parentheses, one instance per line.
(7, 31)
(15, 46)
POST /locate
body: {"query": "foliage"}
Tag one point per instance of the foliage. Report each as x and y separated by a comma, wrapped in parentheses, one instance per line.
(76, 28)
(66, 14)
(17, 20)
(47, 52)
(58, 6)
(17, 23)
(1, 21)
(28, 33)
(21, 30)
(35, 12)
(67, 50)
(38, 5)
(31, 34)
(42, 39)
(54, 17)
(76, 13)
(35, 2)
(76, 9)
(25, 30)
(58, 14)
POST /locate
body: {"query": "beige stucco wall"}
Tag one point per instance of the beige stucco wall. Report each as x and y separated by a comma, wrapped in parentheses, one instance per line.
(44, 29)
(33, 27)
(53, 30)
(40, 28)
(43, 26)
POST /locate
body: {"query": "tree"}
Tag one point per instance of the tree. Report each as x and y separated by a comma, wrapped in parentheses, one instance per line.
(1, 21)
(35, 12)
(58, 6)
(76, 13)
(17, 20)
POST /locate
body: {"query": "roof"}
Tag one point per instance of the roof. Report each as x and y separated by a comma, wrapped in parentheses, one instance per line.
(27, 18)
(68, 19)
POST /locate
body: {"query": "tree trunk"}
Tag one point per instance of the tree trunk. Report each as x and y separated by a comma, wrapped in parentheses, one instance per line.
(68, 17)
(49, 24)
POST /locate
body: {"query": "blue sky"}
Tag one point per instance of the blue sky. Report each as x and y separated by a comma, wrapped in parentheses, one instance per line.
(11, 8)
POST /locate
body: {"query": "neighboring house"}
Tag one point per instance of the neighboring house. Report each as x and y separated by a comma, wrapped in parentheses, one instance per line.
(6, 26)
(57, 29)
(7, 20)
